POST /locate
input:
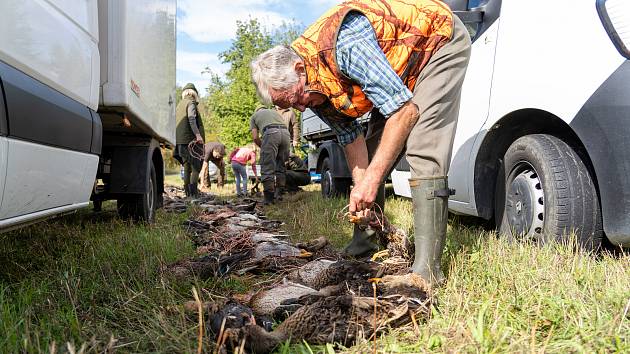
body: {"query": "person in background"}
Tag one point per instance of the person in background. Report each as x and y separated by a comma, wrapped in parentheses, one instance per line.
(213, 152)
(290, 120)
(239, 158)
(297, 174)
(189, 128)
(274, 151)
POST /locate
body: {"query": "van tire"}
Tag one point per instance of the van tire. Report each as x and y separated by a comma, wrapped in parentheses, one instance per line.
(545, 192)
(141, 207)
(333, 186)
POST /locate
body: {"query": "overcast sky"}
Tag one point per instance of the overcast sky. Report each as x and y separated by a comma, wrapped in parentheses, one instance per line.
(206, 28)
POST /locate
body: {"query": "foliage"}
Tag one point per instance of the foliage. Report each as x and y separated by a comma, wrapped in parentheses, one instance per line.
(232, 100)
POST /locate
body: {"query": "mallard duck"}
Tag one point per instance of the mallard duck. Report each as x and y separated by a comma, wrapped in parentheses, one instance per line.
(234, 314)
(313, 245)
(206, 266)
(310, 273)
(279, 249)
(332, 319)
(350, 274)
(270, 301)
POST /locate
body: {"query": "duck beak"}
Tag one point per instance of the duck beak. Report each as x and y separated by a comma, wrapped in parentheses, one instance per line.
(305, 254)
(375, 280)
(380, 254)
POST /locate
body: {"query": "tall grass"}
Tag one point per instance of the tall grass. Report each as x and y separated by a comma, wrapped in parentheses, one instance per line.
(500, 296)
(94, 280)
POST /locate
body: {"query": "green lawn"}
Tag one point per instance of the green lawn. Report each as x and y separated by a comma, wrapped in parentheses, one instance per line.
(93, 280)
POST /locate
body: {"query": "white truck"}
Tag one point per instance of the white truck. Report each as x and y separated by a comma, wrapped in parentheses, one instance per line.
(542, 141)
(86, 100)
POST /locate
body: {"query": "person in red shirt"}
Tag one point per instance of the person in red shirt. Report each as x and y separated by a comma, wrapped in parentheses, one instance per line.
(239, 158)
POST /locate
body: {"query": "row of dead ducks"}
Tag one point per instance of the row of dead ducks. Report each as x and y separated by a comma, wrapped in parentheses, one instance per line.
(319, 297)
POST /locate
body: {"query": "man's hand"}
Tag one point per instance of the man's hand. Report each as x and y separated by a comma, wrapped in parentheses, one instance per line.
(296, 143)
(363, 196)
(198, 138)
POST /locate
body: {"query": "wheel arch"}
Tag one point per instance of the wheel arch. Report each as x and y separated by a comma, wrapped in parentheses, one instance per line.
(499, 138)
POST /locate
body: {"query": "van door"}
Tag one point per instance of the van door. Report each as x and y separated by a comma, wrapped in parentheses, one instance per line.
(481, 18)
(49, 143)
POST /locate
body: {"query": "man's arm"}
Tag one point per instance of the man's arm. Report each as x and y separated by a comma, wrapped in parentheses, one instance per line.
(357, 157)
(255, 137)
(395, 133)
(252, 160)
(296, 129)
(360, 58)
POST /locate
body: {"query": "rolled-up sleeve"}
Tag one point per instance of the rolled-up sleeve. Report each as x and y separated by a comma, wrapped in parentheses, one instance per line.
(346, 132)
(360, 58)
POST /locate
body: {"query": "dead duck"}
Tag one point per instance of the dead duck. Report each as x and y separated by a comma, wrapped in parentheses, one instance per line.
(351, 274)
(234, 314)
(270, 301)
(310, 273)
(212, 265)
(279, 249)
(332, 319)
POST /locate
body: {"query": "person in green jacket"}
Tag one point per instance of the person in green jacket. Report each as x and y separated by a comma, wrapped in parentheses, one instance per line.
(189, 129)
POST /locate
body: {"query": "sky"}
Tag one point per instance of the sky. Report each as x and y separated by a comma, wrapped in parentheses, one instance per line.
(207, 27)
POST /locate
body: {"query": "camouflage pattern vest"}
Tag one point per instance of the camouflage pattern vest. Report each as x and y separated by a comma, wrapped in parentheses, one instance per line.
(408, 32)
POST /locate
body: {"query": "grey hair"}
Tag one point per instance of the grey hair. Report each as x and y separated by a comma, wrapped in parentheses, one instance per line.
(190, 93)
(274, 69)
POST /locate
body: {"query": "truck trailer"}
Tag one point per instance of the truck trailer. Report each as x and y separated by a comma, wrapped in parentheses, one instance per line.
(87, 100)
(542, 144)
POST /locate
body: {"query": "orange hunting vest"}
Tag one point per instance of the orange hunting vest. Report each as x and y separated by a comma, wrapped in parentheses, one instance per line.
(408, 32)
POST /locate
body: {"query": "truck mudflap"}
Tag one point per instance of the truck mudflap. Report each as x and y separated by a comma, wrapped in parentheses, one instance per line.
(603, 125)
(130, 166)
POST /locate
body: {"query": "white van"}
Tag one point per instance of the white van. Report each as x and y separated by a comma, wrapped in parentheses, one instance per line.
(86, 99)
(542, 144)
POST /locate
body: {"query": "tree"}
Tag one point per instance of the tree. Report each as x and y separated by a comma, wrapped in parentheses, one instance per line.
(232, 100)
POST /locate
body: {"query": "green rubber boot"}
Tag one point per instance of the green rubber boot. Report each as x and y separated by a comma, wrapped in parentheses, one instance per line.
(364, 239)
(268, 197)
(192, 189)
(430, 215)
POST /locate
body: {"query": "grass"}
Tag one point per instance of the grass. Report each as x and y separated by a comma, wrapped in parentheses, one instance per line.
(93, 280)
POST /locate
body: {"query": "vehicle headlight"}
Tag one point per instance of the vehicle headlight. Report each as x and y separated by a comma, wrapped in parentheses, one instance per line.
(615, 15)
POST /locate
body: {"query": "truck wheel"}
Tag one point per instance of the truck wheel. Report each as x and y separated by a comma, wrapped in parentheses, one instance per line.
(141, 207)
(332, 186)
(545, 193)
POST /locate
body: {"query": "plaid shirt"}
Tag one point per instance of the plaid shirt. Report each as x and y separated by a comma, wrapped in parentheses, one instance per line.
(361, 59)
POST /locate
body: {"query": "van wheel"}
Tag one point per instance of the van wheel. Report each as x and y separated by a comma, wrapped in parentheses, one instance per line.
(140, 207)
(332, 186)
(545, 193)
